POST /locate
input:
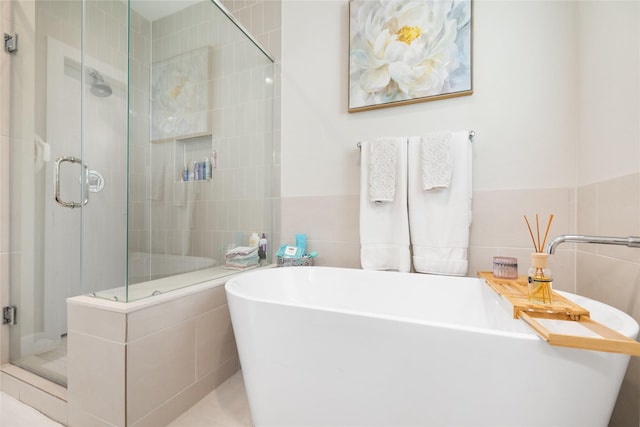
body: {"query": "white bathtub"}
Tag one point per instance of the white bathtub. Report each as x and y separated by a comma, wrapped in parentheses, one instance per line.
(336, 347)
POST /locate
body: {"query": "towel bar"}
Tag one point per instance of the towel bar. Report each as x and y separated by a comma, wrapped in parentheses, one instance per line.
(472, 134)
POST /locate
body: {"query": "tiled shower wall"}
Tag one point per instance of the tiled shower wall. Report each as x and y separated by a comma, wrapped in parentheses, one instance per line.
(201, 218)
(263, 20)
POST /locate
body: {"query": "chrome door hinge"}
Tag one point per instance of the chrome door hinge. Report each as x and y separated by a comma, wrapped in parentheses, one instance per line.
(11, 43)
(9, 315)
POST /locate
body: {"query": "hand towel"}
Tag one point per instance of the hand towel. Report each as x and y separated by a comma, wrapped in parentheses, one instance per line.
(384, 227)
(42, 153)
(382, 168)
(157, 184)
(437, 160)
(179, 218)
(439, 220)
(183, 193)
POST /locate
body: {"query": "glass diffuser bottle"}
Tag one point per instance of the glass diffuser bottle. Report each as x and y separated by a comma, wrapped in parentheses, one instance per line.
(540, 279)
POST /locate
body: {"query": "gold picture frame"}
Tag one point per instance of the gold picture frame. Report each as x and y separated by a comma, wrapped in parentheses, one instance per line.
(407, 51)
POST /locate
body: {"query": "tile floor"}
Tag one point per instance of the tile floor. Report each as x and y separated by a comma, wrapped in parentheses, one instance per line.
(225, 406)
(14, 413)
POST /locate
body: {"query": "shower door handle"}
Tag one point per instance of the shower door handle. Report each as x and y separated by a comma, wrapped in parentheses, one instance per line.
(84, 182)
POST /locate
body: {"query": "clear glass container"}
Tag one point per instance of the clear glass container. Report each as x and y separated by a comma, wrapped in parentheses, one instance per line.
(540, 280)
(505, 267)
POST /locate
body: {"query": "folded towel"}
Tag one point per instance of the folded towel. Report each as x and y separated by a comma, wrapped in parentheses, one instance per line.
(439, 220)
(437, 160)
(242, 257)
(240, 252)
(382, 168)
(239, 266)
(384, 227)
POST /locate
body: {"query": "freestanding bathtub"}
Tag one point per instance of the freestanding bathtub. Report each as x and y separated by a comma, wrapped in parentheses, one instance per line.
(337, 347)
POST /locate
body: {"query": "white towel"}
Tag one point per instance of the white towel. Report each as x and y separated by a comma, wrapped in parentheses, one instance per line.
(181, 193)
(437, 160)
(42, 153)
(157, 184)
(384, 227)
(439, 220)
(382, 168)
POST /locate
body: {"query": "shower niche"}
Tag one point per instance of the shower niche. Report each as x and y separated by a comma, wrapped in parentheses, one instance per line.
(195, 159)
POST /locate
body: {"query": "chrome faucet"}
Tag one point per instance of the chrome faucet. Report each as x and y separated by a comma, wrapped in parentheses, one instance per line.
(632, 242)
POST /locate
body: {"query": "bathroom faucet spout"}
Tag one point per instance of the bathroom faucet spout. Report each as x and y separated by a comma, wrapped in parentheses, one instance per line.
(631, 241)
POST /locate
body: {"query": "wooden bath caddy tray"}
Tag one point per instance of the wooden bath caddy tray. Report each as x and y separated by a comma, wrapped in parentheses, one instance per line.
(588, 334)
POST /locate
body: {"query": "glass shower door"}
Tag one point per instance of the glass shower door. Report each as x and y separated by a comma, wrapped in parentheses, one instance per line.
(45, 238)
(68, 187)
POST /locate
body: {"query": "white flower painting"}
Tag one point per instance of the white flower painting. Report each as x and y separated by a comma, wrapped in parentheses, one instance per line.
(404, 51)
(180, 96)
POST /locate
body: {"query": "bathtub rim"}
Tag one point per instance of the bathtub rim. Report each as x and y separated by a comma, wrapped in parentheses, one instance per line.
(628, 327)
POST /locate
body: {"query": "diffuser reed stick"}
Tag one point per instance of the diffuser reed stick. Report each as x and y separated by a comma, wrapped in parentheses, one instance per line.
(537, 246)
(531, 233)
(546, 233)
(538, 231)
(540, 282)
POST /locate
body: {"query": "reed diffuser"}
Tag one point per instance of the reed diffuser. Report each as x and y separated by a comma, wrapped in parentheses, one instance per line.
(540, 281)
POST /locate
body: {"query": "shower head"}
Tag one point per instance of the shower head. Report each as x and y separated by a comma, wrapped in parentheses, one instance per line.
(99, 87)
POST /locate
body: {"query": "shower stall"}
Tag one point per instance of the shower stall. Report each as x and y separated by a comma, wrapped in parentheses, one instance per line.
(143, 152)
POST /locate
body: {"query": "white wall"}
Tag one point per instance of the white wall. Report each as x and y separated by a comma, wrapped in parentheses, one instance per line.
(609, 98)
(523, 109)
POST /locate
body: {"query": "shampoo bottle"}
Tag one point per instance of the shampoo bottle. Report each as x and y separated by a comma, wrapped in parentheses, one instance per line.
(254, 240)
(262, 249)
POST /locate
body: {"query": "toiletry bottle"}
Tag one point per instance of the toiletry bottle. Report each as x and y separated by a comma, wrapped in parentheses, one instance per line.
(185, 174)
(540, 279)
(262, 249)
(301, 244)
(254, 240)
(192, 171)
(207, 169)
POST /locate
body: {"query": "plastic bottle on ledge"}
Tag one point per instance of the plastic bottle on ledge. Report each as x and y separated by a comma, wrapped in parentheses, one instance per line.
(262, 249)
(192, 172)
(254, 240)
(207, 169)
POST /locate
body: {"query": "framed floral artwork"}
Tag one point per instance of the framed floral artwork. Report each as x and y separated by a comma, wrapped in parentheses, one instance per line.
(407, 51)
(180, 96)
